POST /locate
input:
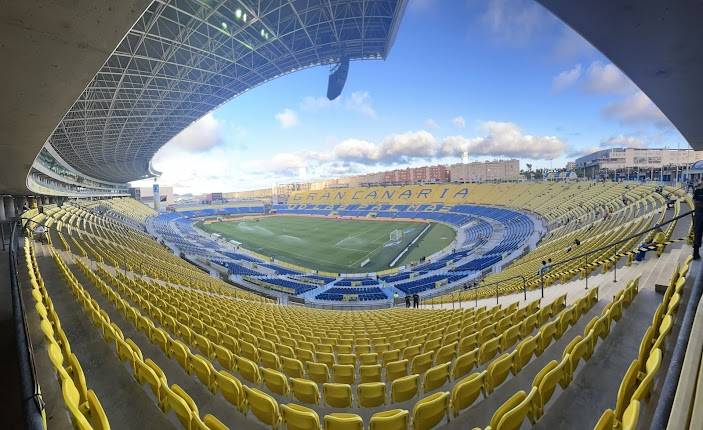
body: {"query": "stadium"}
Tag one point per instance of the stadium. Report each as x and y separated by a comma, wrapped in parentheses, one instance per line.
(470, 295)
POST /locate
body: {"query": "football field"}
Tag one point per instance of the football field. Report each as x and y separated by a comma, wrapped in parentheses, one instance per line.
(333, 245)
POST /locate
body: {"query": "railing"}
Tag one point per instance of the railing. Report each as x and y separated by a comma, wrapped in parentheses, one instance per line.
(32, 402)
(540, 276)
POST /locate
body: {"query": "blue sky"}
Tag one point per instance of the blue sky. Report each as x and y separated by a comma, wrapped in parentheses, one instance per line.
(499, 78)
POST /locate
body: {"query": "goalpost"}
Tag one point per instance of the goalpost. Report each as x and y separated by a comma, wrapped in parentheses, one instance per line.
(396, 235)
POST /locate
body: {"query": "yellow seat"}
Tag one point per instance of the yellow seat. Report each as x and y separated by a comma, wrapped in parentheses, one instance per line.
(202, 368)
(466, 391)
(317, 372)
(512, 413)
(446, 353)
(371, 394)
(87, 416)
(546, 380)
(370, 373)
(368, 358)
(248, 369)
(497, 371)
(179, 405)
(343, 373)
(231, 389)
(465, 363)
(212, 423)
(337, 395)
(606, 421)
(304, 354)
(224, 356)
(326, 358)
(582, 349)
(395, 419)
(421, 362)
(275, 381)
(269, 359)
(404, 388)
(488, 350)
(263, 406)
(631, 415)
(396, 369)
(181, 353)
(430, 411)
(144, 373)
(346, 359)
(626, 389)
(298, 417)
(390, 356)
(343, 421)
(652, 367)
(292, 367)
(524, 352)
(305, 390)
(435, 377)
(249, 351)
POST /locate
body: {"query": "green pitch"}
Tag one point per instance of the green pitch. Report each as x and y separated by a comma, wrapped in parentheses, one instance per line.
(333, 245)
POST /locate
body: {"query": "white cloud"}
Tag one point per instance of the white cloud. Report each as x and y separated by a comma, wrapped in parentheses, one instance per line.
(202, 135)
(623, 141)
(314, 104)
(360, 101)
(514, 21)
(459, 122)
(430, 123)
(357, 150)
(287, 118)
(505, 139)
(566, 78)
(636, 109)
(416, 144)
(606, 79)
(394, 148)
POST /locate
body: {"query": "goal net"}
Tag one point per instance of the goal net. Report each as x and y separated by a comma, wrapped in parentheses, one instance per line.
(396, 235)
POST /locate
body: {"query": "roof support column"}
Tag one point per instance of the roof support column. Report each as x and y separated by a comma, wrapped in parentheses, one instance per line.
(9, 204)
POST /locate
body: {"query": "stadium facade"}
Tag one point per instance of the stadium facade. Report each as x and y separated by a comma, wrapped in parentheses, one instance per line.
(652, 163)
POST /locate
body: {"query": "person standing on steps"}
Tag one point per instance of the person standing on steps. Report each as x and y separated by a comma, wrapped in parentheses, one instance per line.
(697, 219)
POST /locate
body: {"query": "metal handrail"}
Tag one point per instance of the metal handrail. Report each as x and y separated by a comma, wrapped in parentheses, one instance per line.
(478, 285)
(32, 401)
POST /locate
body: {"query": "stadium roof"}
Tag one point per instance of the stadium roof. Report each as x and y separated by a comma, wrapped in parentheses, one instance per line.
(658, 45)
(183, 58)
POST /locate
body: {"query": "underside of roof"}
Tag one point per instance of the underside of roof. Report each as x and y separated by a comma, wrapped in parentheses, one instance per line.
(183, 58)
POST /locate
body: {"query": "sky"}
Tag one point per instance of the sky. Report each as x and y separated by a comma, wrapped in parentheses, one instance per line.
(494, 78)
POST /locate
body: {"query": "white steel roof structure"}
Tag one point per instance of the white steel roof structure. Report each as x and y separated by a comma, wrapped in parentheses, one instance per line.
(183, 58)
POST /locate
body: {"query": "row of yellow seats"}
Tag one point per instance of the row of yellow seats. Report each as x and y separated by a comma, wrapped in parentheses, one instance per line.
(511, 414)
(638, 380)
(263, 406)
(82, 403)
(468, 390)
(172, 398)
(334, 341)
(295, 366)
(402, 389)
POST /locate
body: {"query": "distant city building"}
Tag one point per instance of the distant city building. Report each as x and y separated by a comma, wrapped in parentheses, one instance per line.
(638, 163)
(571, 165)
(497, 170)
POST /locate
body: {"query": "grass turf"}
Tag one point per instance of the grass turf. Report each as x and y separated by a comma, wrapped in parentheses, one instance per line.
(332, 245)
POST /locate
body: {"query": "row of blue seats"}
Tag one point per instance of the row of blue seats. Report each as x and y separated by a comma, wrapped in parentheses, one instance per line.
(348, 282)
(297, 287)
(363, 294)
